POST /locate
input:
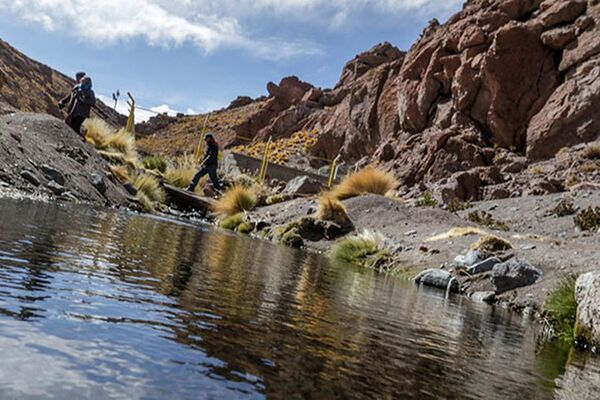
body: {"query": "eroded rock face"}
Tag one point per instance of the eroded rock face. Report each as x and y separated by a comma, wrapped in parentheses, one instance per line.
(587, 294)
(501, 76)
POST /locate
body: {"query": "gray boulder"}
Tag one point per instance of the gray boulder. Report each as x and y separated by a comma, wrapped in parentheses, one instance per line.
(483, 266)
(56, 188)
(437, 278)
(484, 297)
(471, 258)
(587, 294)
(303, 185)
(30, 177)
(98, 182)
(53, 174)
(512, 274)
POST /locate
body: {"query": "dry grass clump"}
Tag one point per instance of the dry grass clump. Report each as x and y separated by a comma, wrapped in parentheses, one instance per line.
(104, 137)
(364, 250)
(457, 232)
(149, 191)
(235, 200)
(485, 219)
(299, 144)
(590, 152)
(238, 223)
(368, 180)
(331, 209)
(120, 172)
(588, 219)
(491, 244)
(456, 205)
(563, 208)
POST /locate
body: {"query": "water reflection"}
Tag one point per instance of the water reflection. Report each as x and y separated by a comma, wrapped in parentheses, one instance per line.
(124, 306)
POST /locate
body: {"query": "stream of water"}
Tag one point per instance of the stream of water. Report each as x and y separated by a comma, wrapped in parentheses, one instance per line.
(97, 304)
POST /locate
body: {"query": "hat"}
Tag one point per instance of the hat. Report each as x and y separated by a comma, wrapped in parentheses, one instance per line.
(208, 135)
(79, 75)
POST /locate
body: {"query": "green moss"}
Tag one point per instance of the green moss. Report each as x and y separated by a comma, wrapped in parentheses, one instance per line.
(157, 163)
(561, 308)
(245, 227)
(362, 251)
(485, 219)
(232, 223)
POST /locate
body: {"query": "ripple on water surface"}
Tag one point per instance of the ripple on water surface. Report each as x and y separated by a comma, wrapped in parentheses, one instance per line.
(101, 304)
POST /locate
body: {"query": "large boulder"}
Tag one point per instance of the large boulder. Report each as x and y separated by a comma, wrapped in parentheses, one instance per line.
(513, 274)
(438, 278)
(303, 185)
(587, 294)
(289, 91)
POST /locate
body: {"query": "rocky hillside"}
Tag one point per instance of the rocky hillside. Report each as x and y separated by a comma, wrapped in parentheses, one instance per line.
(470, 111)
(28, 85)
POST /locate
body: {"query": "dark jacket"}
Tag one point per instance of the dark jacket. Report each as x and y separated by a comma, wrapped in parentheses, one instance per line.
(211, 158)
(81, 103)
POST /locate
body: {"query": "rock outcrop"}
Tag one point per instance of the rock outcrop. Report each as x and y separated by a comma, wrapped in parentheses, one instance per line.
(587, 294)
(40, 154)
(503, 84)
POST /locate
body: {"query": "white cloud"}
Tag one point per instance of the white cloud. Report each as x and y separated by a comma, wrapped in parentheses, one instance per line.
(209, 24)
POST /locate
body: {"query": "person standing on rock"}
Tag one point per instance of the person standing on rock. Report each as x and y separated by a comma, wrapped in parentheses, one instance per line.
(209, 164)
(67, 100)
(79, 103)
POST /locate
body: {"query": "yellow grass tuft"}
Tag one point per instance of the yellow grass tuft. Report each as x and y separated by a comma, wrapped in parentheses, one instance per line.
(149, 186)
(104, 137)
(121, 172)
(368, 180)
(491, 244)
(457, 232)
(331, 209)
(97, 132)
(235, 200)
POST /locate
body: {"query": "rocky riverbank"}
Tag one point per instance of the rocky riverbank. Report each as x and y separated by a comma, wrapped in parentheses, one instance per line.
(40, 154)
(430, 243)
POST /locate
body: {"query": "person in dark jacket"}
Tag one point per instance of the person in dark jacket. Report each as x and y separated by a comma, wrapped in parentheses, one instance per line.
(209, 164)
(79, 103)
(67, 100)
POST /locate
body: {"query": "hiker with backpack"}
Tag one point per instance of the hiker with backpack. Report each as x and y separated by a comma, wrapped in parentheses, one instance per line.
(79, 102)
(209, 164)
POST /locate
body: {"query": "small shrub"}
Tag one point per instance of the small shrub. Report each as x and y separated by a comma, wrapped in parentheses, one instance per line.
(156, 163)
(364, 250)
(491, 244)
(427, 201)
(368, 180)
(456, 205)
(561, 308)
(588, 219)
(485, 219)
(590, 152)
(235, 200)
(331, 209)
(563, 208)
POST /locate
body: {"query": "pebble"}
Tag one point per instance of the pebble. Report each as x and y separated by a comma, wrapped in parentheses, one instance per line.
(410, 233)
(529, 247)
(493, 207)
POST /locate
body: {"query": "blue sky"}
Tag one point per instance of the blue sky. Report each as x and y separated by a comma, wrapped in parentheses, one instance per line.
(198, 55)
